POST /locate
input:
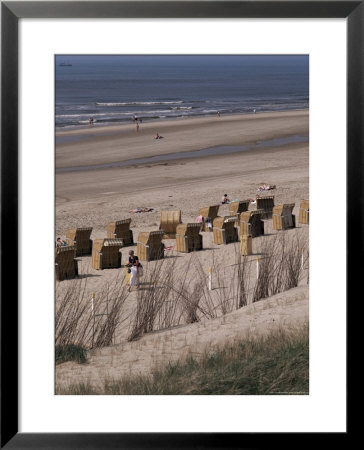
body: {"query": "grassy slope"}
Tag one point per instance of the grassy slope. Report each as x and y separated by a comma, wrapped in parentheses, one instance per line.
(274, 364)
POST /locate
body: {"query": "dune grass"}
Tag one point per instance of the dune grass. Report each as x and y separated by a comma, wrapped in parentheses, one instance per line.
(277, 363)
(70, 352)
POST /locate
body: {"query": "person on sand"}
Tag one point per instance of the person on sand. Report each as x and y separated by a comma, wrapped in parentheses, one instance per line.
(208, 223)
(225, 200)
(137, 126)
(266, 187)
(218, 113)
(61, 243)
(134, 265)
(200, 219)
(157, 136)
(139, 210)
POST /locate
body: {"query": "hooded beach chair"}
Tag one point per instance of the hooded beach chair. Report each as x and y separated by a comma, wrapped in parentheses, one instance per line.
(236, 208)
(65, 263)
(150, 245)
(80, 238)
(120, 229)
(224, 230)
(267, 204)
(304, 213)
(209, 214)
(188, 237)
(251, 223)
(283, 217)
(106, 254)
(169, 222)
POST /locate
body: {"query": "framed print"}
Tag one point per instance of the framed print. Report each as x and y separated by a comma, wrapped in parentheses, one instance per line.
(41, 41)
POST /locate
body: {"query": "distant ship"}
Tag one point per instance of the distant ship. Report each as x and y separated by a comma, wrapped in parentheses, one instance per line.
(65, 64)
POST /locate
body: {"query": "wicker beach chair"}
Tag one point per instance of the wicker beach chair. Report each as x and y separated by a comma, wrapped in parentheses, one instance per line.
(236, 208)
(169, 222)
(120, 229)
(224, 230)
(209, 214)
(283, 217)
(65, 263)
(267, 204)
(304, 214)
(106, 254)
(80, 238)
(246, 245)
(150, 245)
(188, 237)
(251, 223)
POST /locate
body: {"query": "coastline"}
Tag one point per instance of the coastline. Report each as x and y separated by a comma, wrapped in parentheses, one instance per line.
(114, 127)
(123, 142)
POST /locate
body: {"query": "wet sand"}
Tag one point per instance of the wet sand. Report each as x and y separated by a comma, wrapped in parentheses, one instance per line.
(123, 142)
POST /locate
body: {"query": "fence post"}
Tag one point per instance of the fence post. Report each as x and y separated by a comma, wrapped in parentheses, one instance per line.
(92, 302)
(210, 278)
(93, 317)
(257, 267)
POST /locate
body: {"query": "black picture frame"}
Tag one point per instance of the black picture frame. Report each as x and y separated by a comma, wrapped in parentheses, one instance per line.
(11, 12)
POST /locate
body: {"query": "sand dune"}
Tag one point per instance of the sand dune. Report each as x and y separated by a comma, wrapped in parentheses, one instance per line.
(287, 310)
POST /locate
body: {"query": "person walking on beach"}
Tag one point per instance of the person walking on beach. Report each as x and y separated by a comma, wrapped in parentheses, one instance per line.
(218, 113)
(137, 126)
(134, 265)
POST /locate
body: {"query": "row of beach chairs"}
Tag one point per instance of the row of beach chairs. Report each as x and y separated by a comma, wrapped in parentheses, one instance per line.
(106, 251)
(236, 208)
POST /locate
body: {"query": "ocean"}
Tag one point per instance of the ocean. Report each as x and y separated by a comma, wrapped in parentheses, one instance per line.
(114, 88)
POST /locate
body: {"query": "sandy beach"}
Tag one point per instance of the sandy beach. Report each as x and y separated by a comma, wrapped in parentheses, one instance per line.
(93, 196)
(190, 182)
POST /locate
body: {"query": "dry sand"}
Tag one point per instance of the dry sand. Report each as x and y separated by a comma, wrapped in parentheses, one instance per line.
(95, 197)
